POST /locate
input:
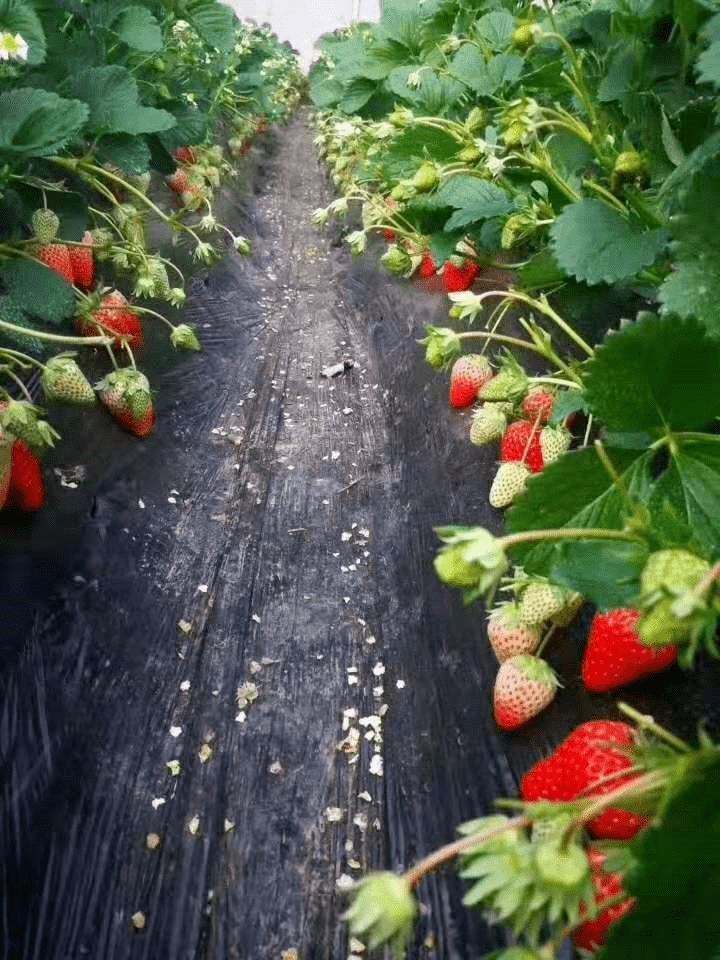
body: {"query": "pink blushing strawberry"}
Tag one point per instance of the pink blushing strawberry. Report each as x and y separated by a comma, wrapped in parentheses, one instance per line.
(508, 635)
(524, 686)
(538, 403)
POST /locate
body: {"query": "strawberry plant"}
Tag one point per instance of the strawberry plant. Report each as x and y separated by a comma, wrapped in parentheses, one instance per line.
(566, 157)
(104, 109)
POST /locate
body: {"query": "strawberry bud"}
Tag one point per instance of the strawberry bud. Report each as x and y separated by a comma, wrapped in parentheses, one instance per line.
(183, 337)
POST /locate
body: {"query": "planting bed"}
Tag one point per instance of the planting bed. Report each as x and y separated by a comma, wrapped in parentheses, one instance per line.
(273, 537)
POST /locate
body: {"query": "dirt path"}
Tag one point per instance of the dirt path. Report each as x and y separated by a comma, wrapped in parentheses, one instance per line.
(274, 535)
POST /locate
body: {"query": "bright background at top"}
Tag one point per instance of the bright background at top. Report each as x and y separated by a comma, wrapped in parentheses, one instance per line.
(301, 22)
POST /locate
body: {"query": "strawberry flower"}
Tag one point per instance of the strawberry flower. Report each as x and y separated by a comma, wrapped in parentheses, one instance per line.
(12, 47)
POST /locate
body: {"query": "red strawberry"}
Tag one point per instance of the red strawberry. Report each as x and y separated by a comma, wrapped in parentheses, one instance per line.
(114, 318)
(519, 437)
(468, 374)
(389, 235)
(185, 155)
(6, 451)
(428, 267)
(26, 491)
(83, 263)
(126, 394)
(57, 257)
(538, 402)
(583, 759)
(524, 686)
(508, 635)
(615, 656)
(461, 277)
(179, 181)
(607, 886)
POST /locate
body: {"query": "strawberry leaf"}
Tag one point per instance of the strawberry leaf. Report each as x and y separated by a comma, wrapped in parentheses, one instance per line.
(474, 200)
(676, 864)
(692, 486)
(658, 372)
(214, 21)
(37, 291)
(575, 491)
(596, 244)
(37, 123)
(605, 572)
(111, 93)
(138, 28)
(130, 153)
(693, 288)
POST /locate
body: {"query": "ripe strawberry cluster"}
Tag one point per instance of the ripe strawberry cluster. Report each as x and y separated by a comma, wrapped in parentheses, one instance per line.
(73, 262)
(528, 443)
(198, 171)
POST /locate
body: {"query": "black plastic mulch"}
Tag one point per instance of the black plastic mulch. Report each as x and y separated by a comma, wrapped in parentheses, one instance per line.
(275, 530)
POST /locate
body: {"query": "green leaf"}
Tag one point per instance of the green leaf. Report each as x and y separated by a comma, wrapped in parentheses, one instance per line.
(131, 154)
(215, 22)
(111, 92)
(442, 246)
(38, 291)
(570, 401)
(657, 372)
(605, 572)
(673, 147)
(19, 17)
(495, 29)
(695, 163)
(37, 123)
(541, 272)
(326, 93)
(596, 244)
(139, 29)
(692, 486)
(676, 867)
(575, 491)
(435, 94)
(476, 199)
(708, 65)
(356, 94)
(191, 126)
(693, 288)
(570, 154)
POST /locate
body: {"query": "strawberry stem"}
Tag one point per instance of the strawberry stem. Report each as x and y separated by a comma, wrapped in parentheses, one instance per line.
(566, 533)
(645, 722)
(531, 437)
(500, 338)
(18, 381)
(543, 643)
(22, 359)
(55, 337)
(451, 851)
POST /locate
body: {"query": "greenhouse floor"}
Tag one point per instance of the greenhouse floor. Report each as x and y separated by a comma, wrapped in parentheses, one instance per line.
(230, 679)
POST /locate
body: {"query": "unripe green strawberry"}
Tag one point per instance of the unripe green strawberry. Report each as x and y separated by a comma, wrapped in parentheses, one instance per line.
(524, 35)
(470, 153)
(661, 627)
(63, 380)
(45, 224)
(509, 483)
(184, 338)
(508, 635)
(397, 261)
(452, 567)
(540, 601)
(476, 120)
(22, 420)
(672, 571)
(509, 383)
(403, 191)
(524, 686)
(487, 425)
(630, 166)
(425, 178)
(158, 273)
(554, 442)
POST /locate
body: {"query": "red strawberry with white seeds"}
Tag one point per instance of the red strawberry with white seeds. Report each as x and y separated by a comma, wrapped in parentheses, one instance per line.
(524, 686)
(538, 402)
(585, 758)
(591, 934)
(428, 267)
(113, 317)
(615, 656)
(468, 374)
(126, 394)
(83, 262)
(26, 489)
(460, 277)
(521, 442)
(507, 634)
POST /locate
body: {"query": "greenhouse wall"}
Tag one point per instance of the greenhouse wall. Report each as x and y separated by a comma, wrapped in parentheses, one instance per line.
(301, 24)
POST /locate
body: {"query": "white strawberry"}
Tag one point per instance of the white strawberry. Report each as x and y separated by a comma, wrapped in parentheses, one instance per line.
(488, 424)
(508, 635)
(554, 442)
(540, 601)
(508, 484)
